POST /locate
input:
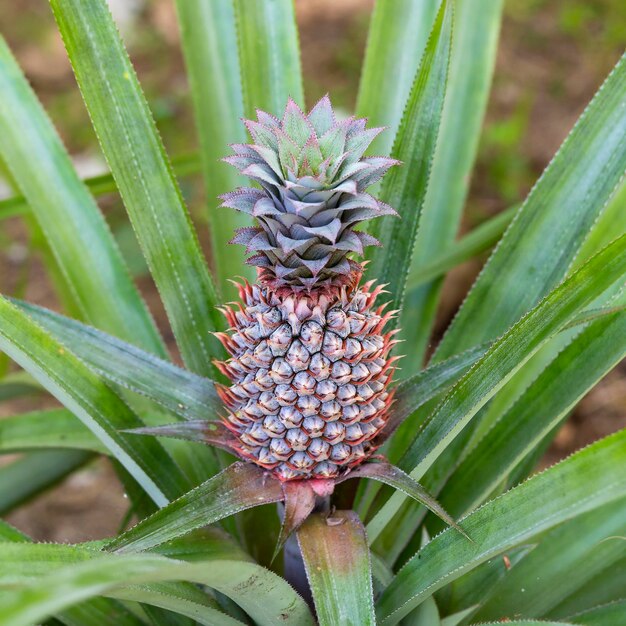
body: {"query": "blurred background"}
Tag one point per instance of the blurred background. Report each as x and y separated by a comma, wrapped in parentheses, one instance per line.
(553, 56)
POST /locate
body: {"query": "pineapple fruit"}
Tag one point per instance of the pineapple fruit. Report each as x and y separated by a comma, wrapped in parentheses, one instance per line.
(310, 360)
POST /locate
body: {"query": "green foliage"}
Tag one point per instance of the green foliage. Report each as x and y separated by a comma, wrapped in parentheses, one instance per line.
(544, 322)
(269, 55)
(209, 41)
(131, 144)
(67, 214)
(397, 37)
(475, 39)
(404, 188)
(336, 558)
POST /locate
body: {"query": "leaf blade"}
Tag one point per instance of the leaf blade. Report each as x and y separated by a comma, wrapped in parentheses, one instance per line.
(90, 399)
(178, 390)
(613, 613)
(35, 472)
(573, 553)
(540, 503)
(238, 487)
(404, 188)
(99, 185)
(131, 144)
(544, 404)
(88, 573)
(269, 55)
(425, 385)
(336, 558)
(502, 360)
(54, 428)
(542, 241)
(209, 43)
(474, 243)
(67, 213)
(472, 61)
(396, 39)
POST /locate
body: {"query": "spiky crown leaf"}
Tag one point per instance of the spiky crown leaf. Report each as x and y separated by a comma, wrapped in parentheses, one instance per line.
(312, 177)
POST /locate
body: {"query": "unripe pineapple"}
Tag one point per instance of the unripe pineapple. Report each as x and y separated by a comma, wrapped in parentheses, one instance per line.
(310, 365)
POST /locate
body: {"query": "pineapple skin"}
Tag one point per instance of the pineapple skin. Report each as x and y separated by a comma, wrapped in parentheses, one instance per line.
(310, 376)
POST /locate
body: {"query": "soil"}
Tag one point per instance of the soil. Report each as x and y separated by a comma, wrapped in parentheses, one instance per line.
(544, 78)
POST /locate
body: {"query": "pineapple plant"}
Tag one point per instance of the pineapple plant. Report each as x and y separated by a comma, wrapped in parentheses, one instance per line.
(310, 365)
(290, 383)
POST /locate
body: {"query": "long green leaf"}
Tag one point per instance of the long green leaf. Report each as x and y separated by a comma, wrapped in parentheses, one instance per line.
(80, 574)
(91, 400)
(548, 230)
(477, 241)
(208, 543)
(269, 55)
(526, 622)
(178, 597)
(430, 382)
(237, 488)
(9, 533)
(604, 588)
(567, 379)
(506, 356)
(337, 562)
(585, 481)
(396, 40)
(102, 184)
(508, 402)
(455, 619)
(178, 390)
(477, 25)
(404, 188)
(414, 393)
(135, 153)
(97, 612)
(55, 428)
(12, 207)
(176, 600)
(24, 478)
(17, 386)
(209, 42)
(609, 615)
(610, 224)
(68, 215)
(464, 595)
(381, 573)
(426, 614)
(573, 554)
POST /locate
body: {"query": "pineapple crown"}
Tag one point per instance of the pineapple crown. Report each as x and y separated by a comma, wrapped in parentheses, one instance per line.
(312, 177)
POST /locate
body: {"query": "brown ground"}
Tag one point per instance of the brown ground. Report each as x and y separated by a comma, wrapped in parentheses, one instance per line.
(546, 73)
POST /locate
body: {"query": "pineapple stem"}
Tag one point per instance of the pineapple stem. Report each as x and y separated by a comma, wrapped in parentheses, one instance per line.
(294, 570)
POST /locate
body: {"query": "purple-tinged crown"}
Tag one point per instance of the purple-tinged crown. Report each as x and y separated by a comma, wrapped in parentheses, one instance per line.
(312, 177)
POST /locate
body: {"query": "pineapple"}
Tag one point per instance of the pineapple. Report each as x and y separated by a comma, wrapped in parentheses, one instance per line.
(310, 361)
